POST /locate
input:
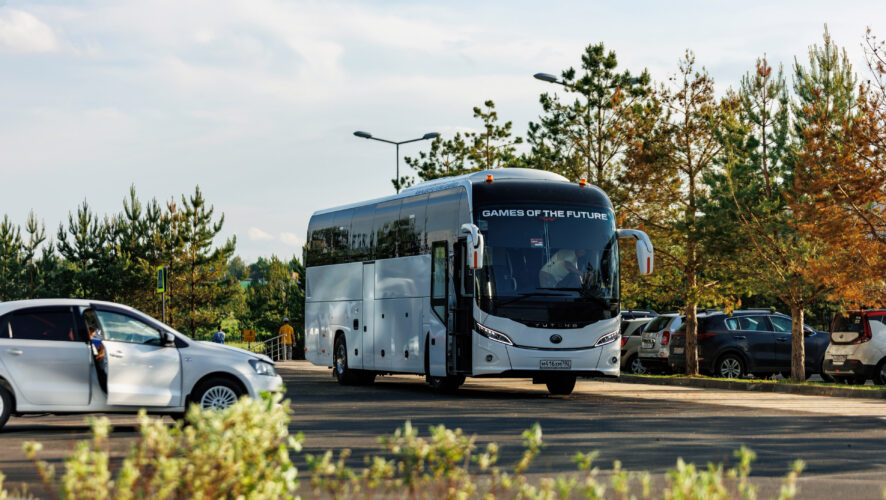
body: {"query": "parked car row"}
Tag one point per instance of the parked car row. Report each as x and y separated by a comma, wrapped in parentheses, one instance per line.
(758, 343)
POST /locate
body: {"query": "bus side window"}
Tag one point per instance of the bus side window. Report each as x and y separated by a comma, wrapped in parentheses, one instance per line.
(411, 226)
(439, 261)
(341, 230)
(385, 224)
(361, 234)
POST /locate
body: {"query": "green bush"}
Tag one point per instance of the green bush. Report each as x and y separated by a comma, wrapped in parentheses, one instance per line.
(241, 452)
(245, 452)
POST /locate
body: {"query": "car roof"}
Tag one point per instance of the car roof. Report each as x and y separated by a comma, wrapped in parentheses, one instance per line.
(16, 305)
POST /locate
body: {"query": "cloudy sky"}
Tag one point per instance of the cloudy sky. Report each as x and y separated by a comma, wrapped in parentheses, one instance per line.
(256, 101)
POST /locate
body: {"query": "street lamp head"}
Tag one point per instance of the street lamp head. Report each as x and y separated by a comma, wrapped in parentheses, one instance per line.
(431, 135)
(545, 77)
(365, 135)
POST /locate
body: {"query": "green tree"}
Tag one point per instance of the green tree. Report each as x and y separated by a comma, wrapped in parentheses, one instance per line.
(587, 137)
(667, 192)
(237, 269)
(200, 286)
(280, 295)
(492, 147)
(12, 261)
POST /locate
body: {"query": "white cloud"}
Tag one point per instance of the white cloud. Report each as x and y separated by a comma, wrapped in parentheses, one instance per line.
(22, 32)
(292, 239)
(256, 234)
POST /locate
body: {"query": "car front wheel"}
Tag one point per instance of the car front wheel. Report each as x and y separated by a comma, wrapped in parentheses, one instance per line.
(730, 366)
(5, 406)
(217, 394)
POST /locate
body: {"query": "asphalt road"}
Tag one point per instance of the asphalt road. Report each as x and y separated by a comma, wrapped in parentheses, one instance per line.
(843, 441)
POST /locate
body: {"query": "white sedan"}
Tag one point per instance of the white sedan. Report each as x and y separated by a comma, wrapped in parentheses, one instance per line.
(84, 356)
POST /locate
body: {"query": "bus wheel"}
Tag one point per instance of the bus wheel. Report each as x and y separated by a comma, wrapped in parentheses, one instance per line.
(449, 383)
(343, 374)
(562, 385)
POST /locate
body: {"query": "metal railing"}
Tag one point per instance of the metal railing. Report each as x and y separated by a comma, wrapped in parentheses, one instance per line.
(272, 348)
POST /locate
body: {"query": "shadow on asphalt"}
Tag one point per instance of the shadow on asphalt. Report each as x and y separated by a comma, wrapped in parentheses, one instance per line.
(644, 434)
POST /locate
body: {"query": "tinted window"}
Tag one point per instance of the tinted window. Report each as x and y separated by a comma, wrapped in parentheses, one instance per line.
(659, 323)
(411, 226)
(748, 323)
(443, 208)
(438, 279)
(122, 328)
(55, 325)
(341, 229)
(780, 324)
(385, 225)
(850, 323)
(361, 234)
(320, 240)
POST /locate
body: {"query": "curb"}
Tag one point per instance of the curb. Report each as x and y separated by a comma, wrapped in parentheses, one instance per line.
(702, 383)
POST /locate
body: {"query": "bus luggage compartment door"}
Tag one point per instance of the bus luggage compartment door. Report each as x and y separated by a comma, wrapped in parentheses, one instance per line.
(367, 328)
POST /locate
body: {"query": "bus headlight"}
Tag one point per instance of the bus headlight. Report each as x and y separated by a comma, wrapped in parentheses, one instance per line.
(608, 338)
(262, 368)
(491, 334)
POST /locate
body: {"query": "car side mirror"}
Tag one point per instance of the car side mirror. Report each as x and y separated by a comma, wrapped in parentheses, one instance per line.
(645, 252)
(476, 245)
(168, 339)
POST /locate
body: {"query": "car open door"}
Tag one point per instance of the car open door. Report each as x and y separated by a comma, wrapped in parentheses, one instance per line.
(142, 370)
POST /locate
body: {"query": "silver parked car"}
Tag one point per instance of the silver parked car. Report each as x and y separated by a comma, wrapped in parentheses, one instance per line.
(83, 356)
(655, 341)
(631, 332)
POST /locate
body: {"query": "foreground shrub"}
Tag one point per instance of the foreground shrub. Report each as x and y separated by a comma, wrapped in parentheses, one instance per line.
(447, 466)
(244, 452)
(241, 452)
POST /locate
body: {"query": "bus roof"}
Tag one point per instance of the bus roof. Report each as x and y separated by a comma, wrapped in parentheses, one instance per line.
(466, 180)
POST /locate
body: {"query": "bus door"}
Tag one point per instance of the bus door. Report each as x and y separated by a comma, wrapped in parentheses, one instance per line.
(368, 328)
(461, 324)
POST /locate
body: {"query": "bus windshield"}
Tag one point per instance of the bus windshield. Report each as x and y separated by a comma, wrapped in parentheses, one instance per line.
(552, 264)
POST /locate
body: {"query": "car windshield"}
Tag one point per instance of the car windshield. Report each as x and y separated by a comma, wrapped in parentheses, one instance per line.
(549, 254)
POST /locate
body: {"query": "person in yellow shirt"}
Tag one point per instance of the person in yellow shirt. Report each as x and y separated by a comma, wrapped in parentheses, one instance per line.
(287, 333)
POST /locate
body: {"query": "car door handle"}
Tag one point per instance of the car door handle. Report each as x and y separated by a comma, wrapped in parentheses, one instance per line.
(739, 337)
(117, 354)
(782, 339)
(15, 352)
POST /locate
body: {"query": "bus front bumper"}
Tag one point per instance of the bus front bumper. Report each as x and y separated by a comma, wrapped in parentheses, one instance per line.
(495, 358)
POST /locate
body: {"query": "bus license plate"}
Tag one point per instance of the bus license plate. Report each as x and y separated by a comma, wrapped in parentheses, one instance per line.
(555, 364)
(838, 359)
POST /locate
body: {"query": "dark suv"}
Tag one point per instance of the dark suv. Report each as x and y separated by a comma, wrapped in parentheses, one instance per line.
(758, 342)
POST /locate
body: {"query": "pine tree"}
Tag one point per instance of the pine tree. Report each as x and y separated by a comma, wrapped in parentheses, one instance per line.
(200, 285)
(12, 262)
(586, 138)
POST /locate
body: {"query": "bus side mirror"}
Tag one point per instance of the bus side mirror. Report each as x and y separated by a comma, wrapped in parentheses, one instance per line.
(645, 254)
(475, 247)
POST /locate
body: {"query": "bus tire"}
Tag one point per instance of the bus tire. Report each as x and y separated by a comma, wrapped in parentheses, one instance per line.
(561, 386)
(447, 384)
(343, 374)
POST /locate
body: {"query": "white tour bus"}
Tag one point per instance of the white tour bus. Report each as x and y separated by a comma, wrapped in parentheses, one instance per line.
(502, 273)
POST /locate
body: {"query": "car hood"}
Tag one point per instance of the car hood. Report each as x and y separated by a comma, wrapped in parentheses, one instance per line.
(212, 346)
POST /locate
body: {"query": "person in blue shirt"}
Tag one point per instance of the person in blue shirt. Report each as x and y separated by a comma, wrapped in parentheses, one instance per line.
(219, 336)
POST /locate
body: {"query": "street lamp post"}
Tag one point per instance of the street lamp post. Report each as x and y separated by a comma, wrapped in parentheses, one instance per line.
(546, 77)
(367, 135)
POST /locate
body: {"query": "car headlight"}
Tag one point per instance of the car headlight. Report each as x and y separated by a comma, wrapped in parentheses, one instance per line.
(263, 368)
(491, 334)
(608, 338)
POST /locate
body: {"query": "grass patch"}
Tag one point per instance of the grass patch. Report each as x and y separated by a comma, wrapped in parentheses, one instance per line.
(782, 381)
